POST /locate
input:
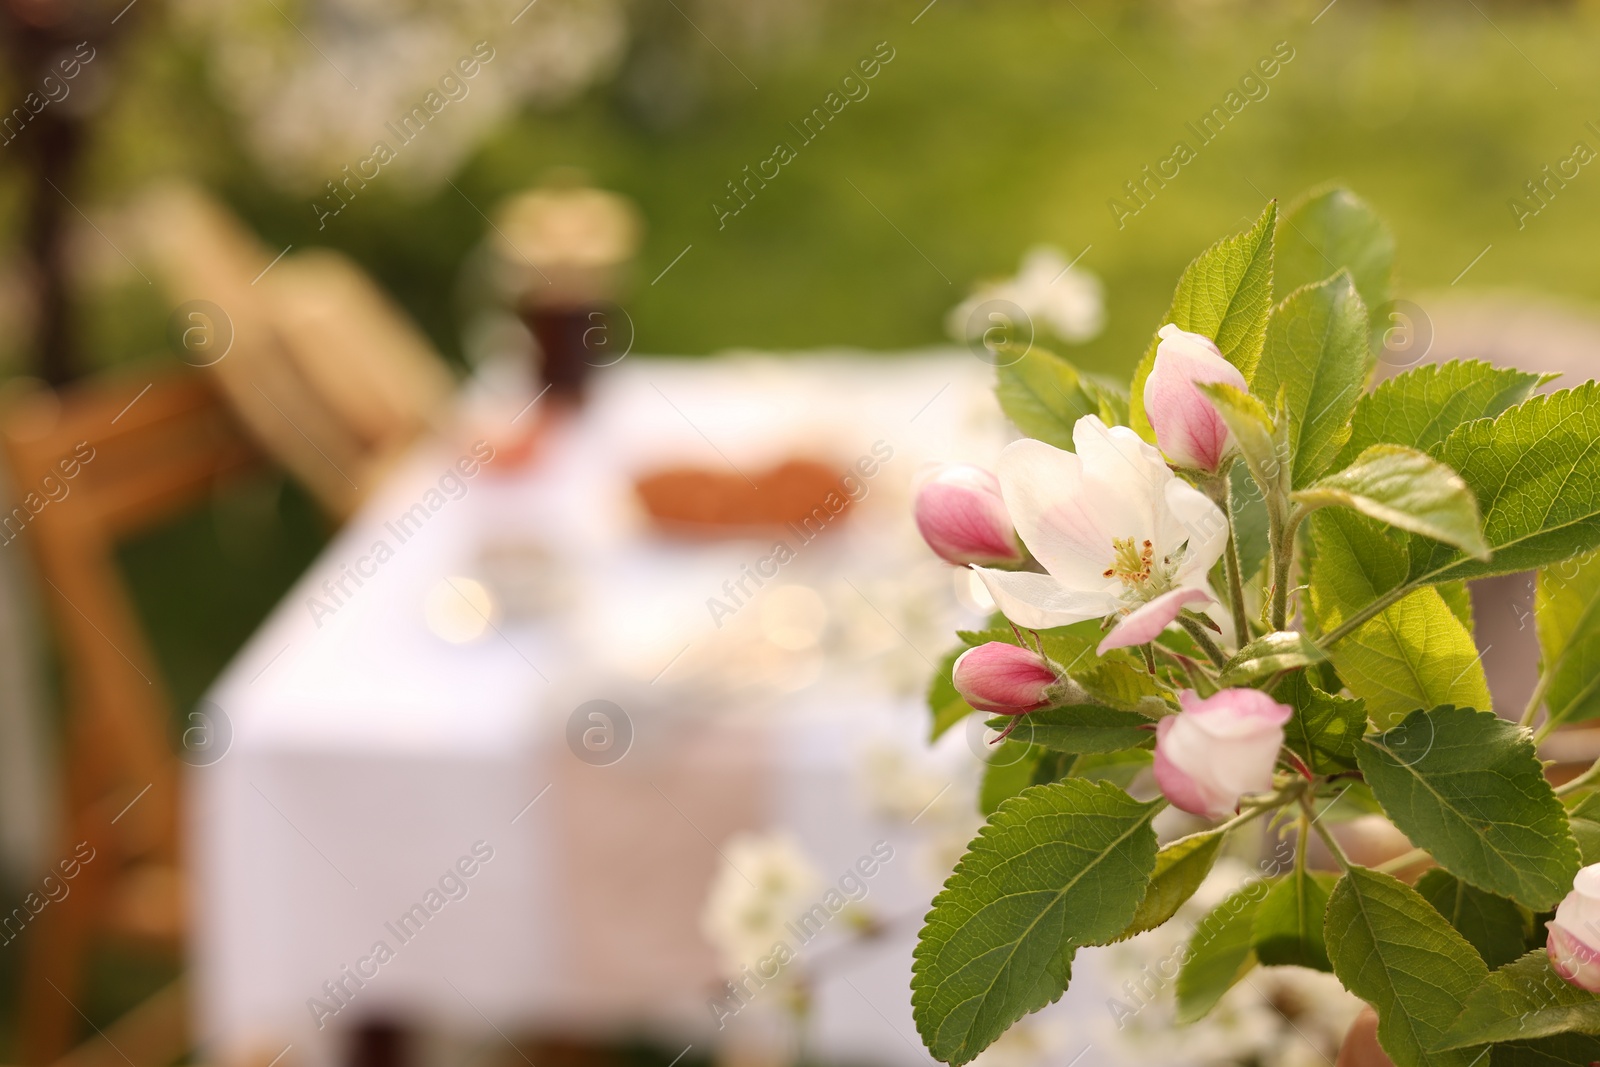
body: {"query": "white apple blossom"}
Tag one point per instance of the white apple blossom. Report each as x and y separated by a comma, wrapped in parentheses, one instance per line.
(1069, 301)
(1117, 533)
(764, 882)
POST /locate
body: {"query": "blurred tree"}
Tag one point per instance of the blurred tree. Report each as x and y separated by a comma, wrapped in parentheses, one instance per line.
(48, 38)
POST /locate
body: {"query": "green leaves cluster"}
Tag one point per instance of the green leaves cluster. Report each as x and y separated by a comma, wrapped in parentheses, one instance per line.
(1359, 512)
(1058, 866)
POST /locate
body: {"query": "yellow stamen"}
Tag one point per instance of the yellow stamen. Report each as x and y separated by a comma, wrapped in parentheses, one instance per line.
(1130, 563)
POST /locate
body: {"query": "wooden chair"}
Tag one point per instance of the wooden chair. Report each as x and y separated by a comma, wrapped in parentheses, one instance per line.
(89, 466)
(325, 371)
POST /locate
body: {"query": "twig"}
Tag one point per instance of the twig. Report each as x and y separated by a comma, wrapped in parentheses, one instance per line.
(1404, 860)
(1220, 489)
(1325, 834)
(1203, 639)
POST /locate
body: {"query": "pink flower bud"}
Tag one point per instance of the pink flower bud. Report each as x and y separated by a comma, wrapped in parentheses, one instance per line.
(1218, 749)
(961, 515)
(1574, 933)
(1005, 679)
(1188, 428)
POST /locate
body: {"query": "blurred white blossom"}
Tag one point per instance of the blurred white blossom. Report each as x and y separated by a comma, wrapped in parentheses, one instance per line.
(1034, 1041)
(316, 81)
(1067, 302)
(903, 786)
(938, 795)
(1274, 1017)
(765, 881)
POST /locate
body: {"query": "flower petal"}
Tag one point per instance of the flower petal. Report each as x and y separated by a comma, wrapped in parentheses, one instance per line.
(1124, 477)
(1146, 622)
(1059, 521)
(1187, 425)
(1178, 786)
(1233, 713)
(1191, 516)
(1039, 602)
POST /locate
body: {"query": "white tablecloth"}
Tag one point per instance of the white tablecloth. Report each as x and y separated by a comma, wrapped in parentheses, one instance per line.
(369, 756)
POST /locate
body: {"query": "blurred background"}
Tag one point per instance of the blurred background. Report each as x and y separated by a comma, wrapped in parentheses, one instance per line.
(275, 274)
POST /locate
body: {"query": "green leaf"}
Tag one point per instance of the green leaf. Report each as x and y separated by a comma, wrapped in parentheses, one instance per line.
(1535, 471)
(1083, 728)
(1316, 356)
(1120, 684)
(1269, 654)
(1010, 768)
(943, 701)
(1220, 952)
(1567, 612)
(1559, 1050)
(1467, 786)
(1459, 600)
(1328, 230)
(1180, 868)
(1225, 294)
(1587, 807)
(1421, 407)
(1394, 951)
(1045, 395)
(1493, 925)
(1260, 439)
(1324, 729)
(1288, 930)
(1057, 866)
(1249, 522)
(1408, 489)
(1521, 1001)
(1413, 654)
(1118, 768)
(1586, 833)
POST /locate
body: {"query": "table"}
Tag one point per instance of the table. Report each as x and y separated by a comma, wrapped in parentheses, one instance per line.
(372, 762)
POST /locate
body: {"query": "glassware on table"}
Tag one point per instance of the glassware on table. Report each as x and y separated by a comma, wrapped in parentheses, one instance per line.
(564, 250)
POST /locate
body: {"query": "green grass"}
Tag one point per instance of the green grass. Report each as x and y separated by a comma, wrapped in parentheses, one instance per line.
(995, 126)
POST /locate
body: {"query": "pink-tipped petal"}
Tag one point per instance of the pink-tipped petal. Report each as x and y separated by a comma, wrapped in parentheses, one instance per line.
(1178, 787)
(1145, 623)
(1234, 712)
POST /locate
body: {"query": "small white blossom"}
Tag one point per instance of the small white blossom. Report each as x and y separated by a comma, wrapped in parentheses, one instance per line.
(764, 882)
(1070, 303)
